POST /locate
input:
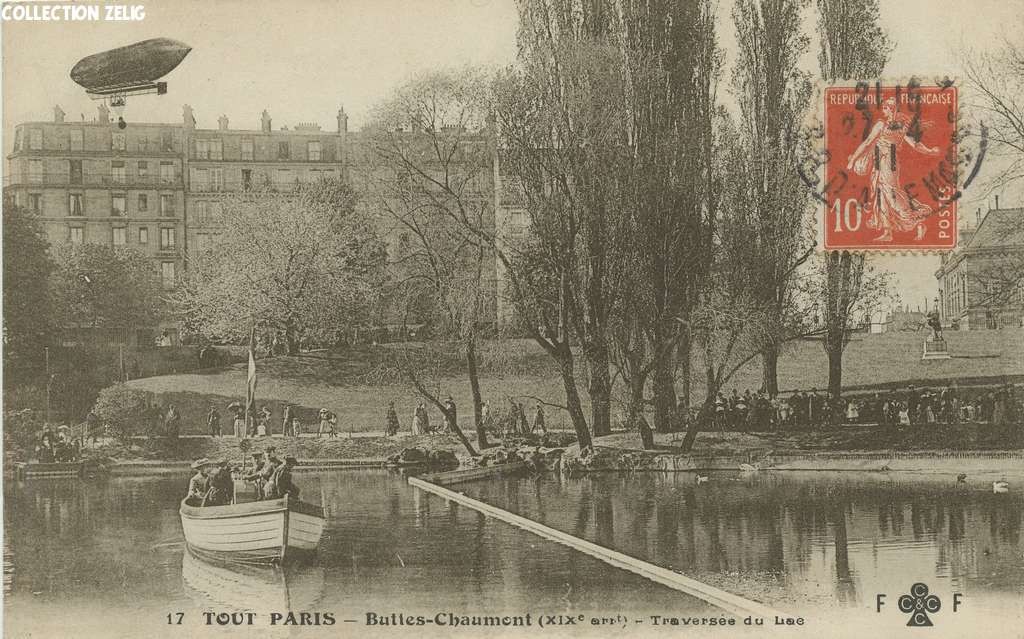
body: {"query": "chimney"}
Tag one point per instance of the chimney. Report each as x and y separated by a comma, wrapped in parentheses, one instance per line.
(342, 120)
(104, 113)
(187, 117)
(265, 122)
(222, 123)
(58, 114)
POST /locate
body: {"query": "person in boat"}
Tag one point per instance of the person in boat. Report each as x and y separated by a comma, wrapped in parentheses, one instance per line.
(199, 484)
(281, 483)
(255, 477)
(222, 485)
(266, 471)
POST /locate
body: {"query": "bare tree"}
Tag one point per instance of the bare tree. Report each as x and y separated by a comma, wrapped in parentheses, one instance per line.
(853, 47)
(994, 82)
(429, 174)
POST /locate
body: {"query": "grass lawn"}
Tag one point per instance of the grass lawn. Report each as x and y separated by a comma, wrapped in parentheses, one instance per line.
(342, 382)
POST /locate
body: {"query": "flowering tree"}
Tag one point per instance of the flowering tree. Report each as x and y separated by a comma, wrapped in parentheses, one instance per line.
(301, 264)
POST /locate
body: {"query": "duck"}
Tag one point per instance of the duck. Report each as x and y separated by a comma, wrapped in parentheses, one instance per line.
(700, 479)
(1001, 486)
(961, 478)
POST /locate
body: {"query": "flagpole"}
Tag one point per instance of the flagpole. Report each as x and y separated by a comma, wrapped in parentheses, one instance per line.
(250, 382)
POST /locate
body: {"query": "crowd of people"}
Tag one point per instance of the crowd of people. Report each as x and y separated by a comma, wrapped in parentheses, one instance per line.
(57, 446)
(213, 483)
(259, 423)
(910, 406)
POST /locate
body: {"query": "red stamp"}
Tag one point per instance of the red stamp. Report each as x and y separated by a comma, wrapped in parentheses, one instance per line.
(891, 167)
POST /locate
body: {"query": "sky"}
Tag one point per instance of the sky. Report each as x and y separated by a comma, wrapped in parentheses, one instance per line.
(303, 59)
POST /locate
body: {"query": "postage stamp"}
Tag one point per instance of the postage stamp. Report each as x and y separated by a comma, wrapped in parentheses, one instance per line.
(891, 160)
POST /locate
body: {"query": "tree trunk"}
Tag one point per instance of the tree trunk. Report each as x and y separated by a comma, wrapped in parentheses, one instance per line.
(835, 368)
(474, 387)
(600, 390)
(770, 365)
(683, 353)
(707, 411)
(664, 390)
(635, 407)
(572, 399)
(292, 338)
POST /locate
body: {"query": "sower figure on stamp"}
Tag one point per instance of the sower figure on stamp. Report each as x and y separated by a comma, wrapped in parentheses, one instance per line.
(890, 207)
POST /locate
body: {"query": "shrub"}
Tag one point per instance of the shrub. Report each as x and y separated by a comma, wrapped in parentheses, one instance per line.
(123, 409)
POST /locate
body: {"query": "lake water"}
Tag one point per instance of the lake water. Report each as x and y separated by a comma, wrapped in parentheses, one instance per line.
(105, 558)
(821, 544)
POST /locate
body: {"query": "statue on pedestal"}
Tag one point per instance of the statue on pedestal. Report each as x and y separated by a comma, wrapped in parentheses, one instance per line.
(935, 324)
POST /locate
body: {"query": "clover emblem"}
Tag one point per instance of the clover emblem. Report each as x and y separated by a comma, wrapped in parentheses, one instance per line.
(918, 604)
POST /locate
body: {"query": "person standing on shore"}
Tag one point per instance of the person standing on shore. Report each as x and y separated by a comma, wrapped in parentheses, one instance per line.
(391, 421)
(287, 427)
(451, 418)
(538, 420)
(172, 423)
(213, 422)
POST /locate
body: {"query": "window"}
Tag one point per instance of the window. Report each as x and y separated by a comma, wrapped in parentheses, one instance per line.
(120, 236)
(167, 172)
(166, 239)
(313, 149)
(283, 177)
(202, 212)
(35, 202)
(75, 205)
(35, 139)
(217, 179)
(76, 139)
(247, 149)
(216, 150)
(75, 171)
(166, 205)
(76, 235)
(35, 171)
(143, 169)
(117, 172)
(17, 139)
(118, 142)
(143, 202)
(200, 179)
(282, 151)
(118, 204)
(246, 179)
(167, 274)
(202, 150)
(214, 212)
(166, 141)
(144, 235)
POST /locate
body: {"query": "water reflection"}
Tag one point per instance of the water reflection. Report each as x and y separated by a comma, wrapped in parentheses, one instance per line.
(238, 587)
(830, 539)
(106, 559)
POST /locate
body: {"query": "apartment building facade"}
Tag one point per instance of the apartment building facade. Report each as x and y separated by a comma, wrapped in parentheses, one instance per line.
(156, 188)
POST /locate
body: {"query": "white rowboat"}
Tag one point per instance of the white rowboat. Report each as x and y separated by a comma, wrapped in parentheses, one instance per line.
(267, 531)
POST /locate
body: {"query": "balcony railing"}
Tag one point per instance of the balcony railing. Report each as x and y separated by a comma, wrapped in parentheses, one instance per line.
(64, 179)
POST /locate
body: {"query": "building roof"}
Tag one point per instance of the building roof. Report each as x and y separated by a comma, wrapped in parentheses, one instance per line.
(1000, 228)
